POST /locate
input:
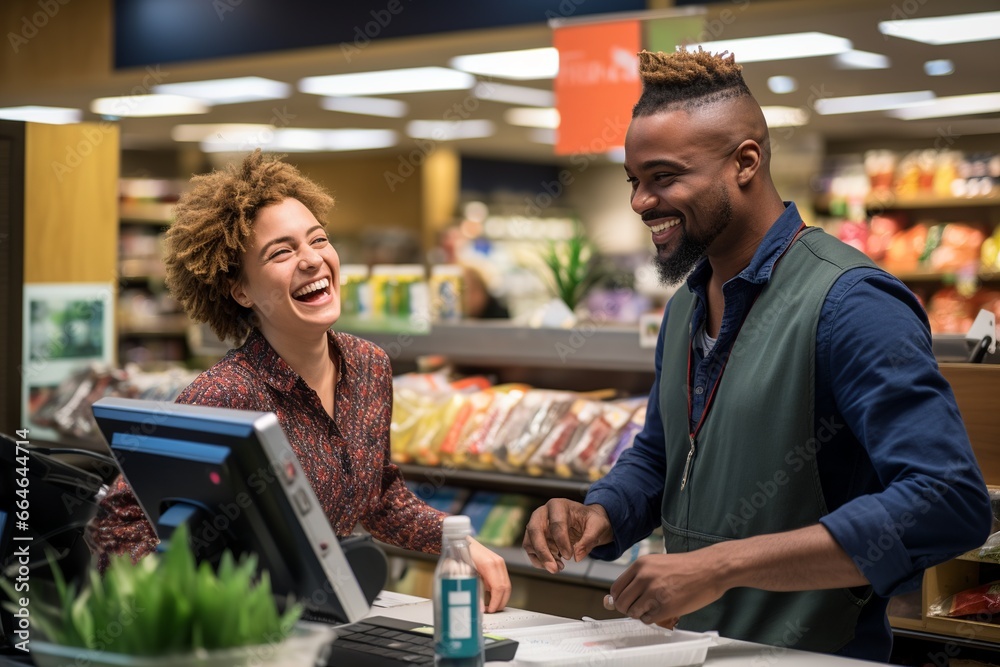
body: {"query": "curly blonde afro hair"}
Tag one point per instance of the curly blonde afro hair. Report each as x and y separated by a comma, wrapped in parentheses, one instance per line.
(212, 227)
(687, 78)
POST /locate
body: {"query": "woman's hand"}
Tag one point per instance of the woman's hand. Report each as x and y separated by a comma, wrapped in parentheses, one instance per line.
(493, 571)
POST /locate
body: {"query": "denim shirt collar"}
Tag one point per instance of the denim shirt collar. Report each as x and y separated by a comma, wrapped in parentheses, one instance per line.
(758, 271)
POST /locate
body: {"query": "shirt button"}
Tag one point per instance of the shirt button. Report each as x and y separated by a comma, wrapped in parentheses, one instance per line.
(699, 390)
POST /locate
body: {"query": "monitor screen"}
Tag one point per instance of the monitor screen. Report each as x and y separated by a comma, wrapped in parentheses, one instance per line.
(232, 477)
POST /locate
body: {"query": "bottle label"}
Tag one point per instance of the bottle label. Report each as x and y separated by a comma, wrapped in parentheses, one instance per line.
(461, 635)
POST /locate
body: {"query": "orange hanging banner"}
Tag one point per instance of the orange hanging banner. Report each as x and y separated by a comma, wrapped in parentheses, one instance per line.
(597, 85)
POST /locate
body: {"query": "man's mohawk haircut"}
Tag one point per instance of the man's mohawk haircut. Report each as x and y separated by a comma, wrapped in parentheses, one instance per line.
(688, 79)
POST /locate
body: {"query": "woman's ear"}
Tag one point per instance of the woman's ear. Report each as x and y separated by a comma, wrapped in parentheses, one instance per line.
(239, 294)
(748, 160)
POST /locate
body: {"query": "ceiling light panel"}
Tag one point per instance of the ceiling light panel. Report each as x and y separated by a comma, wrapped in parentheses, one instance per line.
(366, 106)
(219, 131)
(135, 106)
(303, 140)
(779, 47)
(443, 130)
(532, 117)
(942, 67)
(880, 102)
(37, 114)
(861, 60)
(522, 95)
(957, 105)
(526, 64)
(781, 116)
(781, 85)
(229, 91)
(937, 30)
(388, 82)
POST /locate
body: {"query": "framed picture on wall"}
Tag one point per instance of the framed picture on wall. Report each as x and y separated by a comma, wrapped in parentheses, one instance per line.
(68, 329)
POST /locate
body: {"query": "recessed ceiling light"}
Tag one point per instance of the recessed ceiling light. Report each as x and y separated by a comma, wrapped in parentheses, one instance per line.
(939, 67)
(366, 106)
(779, 116)
(37, 114)
(946, 29)
(443, 130)
(229, 91)
(861, 60)
(532, 117)
(304, 140)
(134, 106)
(861, 103)
(233, 132)
(781, 85)
(779, 47)
(526, 64)
(956, 105)
(388, 82)
(503, 92)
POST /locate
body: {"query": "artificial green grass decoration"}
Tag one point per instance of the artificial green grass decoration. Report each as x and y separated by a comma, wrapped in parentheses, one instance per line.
(166, 604)
(574, 268)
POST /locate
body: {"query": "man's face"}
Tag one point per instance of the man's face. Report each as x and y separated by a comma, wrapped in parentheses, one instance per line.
(676, 169)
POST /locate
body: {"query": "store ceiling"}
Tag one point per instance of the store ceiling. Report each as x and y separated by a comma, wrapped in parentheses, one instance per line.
(977, 70)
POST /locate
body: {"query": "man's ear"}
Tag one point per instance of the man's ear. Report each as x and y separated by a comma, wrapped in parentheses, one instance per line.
(239, 294)
(749, 157)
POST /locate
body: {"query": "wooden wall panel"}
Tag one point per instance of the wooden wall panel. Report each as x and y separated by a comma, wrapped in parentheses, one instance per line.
(977, 390)
(71, 203)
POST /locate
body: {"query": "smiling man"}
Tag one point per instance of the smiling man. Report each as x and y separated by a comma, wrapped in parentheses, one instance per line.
(801, 473)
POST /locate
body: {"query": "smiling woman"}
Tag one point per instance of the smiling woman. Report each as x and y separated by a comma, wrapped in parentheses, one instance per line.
(248, 254)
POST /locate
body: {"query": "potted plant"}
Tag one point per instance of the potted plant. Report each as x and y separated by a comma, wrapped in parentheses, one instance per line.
(166, 610)
(573, 267)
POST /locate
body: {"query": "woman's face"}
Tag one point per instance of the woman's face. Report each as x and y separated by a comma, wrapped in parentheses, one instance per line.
(291, 273)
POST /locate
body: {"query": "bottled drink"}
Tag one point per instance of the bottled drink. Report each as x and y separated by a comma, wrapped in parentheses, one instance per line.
(458, 620)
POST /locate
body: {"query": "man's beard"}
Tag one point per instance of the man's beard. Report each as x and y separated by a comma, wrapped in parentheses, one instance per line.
(676, 267)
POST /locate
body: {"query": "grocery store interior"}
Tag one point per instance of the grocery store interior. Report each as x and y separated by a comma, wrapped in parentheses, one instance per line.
(457, 186)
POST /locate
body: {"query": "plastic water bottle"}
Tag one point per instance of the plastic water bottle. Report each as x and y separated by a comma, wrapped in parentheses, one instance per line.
(458, 621)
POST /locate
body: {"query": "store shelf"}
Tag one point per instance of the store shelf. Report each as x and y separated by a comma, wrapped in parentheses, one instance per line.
(889, 201)
(499, 481)
(148, 212)
(587, 346)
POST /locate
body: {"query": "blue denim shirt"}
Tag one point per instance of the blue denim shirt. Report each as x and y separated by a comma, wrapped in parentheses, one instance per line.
(903, 489)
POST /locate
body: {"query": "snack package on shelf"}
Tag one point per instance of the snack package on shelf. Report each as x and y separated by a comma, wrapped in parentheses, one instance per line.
(978, 601)
(476, 449)
(504, 525)
(437, 412)
(620, 442)
(406, 405)
(562, 436)
(471, 412)
(958, 246)
(527, 424)
(905, 249)
(949, 311)
(582, 458)
(881, 231)
(449, 499)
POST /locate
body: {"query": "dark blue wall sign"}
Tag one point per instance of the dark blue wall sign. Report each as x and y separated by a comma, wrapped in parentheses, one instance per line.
(149, 32)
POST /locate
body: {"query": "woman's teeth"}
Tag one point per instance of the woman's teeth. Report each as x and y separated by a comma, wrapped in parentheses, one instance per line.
(312, 287)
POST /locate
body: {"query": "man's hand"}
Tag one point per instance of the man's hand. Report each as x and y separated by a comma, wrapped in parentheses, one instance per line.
(493, 571)
(562, 529)
(659, 588)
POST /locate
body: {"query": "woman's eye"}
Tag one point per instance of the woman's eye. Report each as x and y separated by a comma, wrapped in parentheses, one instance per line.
(277, 253)
(320, 240)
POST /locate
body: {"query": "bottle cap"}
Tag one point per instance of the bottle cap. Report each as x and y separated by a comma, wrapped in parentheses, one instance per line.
(456, 526)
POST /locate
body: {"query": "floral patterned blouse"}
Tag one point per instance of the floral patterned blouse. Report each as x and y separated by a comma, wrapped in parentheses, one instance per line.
(346, 459)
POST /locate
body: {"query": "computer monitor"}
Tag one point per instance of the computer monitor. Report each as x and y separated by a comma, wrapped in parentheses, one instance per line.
(232, 477)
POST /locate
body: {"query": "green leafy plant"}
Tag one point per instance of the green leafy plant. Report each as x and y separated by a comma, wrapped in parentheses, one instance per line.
(574, 267)
(165, 604)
